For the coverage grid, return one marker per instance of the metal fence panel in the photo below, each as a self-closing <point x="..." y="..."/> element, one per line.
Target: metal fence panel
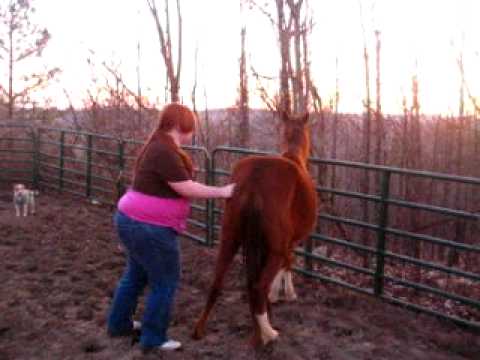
<point x="374" y="276"/>
<point x="87" y="164"/>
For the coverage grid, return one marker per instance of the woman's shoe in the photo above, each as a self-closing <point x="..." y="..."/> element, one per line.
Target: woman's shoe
<point x="135" y="331"/>
<point x="169" y="345"/>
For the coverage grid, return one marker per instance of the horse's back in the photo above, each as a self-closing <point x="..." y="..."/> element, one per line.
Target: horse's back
<point x="261" y="170"/>
<point x="267" y="183"/>
<point x="265" y="175"/>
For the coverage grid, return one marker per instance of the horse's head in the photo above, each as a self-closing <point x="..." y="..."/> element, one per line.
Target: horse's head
<point x="296" y="137"/>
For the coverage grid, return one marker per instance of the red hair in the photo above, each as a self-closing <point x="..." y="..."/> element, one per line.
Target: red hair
<point x="177" y="116"/>
<point x="173" y="116"/>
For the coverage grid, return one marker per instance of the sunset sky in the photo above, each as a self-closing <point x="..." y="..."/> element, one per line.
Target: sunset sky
<point x="427" y="33"/>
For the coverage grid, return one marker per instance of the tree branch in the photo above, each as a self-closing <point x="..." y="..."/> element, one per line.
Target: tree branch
<point x="119" y="79"/>
<point x="465" y="84"/>
<point x="270" y="102"/>
<point x="179" y="59"/>
<point x="39" y="80"/>
<point x="263" y="11"/>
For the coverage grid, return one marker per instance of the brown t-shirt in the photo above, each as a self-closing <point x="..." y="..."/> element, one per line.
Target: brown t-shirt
<point x="160" y="164"/>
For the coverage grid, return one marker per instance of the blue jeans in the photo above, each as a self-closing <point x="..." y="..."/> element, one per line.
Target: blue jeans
<point x="152" y="257"/>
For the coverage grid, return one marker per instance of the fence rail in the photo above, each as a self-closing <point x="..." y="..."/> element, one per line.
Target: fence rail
<point x="88" y="164"/>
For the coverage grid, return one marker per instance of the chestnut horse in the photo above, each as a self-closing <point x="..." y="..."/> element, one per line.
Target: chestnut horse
<point x="273" y="208"/>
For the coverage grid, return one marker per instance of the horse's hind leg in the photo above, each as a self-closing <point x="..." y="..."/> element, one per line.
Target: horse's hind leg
<point x="276" y="287"/>
<point x="259" y="301"/>
<point x="228" y="248"/>
<point x="290" y="294"/>
<point x="283" y="281"/>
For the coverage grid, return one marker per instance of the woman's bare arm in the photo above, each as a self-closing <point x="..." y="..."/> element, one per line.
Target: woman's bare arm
<point x="193" y="189"/>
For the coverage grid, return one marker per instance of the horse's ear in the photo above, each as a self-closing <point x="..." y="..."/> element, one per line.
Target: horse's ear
<point x="284" y="116"/>
<point x="304" y="119"/>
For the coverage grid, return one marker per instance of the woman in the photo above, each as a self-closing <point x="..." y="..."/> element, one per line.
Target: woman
<point x="148" y="220"/>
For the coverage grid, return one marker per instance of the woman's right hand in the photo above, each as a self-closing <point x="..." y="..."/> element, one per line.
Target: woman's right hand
<point x="227" y="190"/>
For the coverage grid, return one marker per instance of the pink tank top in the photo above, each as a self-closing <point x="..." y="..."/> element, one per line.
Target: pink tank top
<point x="155" y="210"/>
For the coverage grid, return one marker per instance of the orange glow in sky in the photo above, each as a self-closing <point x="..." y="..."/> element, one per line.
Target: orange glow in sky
<point x="429" y="34"/>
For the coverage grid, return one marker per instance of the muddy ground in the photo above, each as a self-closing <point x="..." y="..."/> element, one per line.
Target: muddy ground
<point x="60" y="267"/>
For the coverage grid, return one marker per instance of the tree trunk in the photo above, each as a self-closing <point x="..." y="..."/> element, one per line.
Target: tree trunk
<point x="164" y="36"/>
<point x="10" y="72"/>
<point x="297" y="76"/>
<point x="306" y="66"/>
<point x="460" y="224"/>
<point x="413" y="184"/>
<point x="378" y="115"/>
<point x="366" y="156"/>
<point x="335" y="134"/>
<point x="432" y="187"/>
<point x="284" y="39"/>
<point x="194" y="95"/>
<point x="243" y="101"/>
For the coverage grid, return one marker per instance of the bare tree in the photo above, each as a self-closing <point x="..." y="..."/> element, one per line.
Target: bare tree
<point x="365" y="185"/>
<point x="139" y="85"/>
<point x="243" y="87"/>
<point x="460" y="224"/>
<point x="284" y="41"/>
<point x="414" y="160"/>
<point x="335" y="130"/>
<point x="194" y="92"/>
<point x="206" y="121"/>
<point x="299" y="103"/>
<point x="111" y="105"/>
<point x="405" y="144"/>
<point x="165" y="38"/>
<point x="293" y="22"/>
<point x="379" y="120"/>
<point x="306" y="30"/>
<point x="24" y="40"/>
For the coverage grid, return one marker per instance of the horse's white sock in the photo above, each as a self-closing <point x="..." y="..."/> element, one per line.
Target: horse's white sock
<point x="32" y="202"/>
<point x="290" y="293"/>
<point x="275" y="287"/>
<point x="267" y="332"/>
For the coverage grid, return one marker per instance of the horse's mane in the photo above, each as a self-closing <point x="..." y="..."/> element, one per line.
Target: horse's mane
<point x="297" y="144"/>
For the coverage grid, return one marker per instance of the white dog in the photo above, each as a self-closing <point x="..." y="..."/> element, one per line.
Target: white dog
<point x="23" y="200"/>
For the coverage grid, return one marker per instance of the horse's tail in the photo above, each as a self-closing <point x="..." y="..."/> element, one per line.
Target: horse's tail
<point x="253" y="238"/>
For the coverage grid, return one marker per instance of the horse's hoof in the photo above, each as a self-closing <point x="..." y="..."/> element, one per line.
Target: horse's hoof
<point x="270" y="336"/>
<point x="273" y="299"/>
<point x="291" y="297"/>
<point x="198" y="334"/>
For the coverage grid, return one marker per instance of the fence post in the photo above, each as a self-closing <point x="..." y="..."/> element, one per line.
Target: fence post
<point x="35" y="168"/>
<point x="88" y="179"/>
<point x="121" y="152"/>
<point x="308" y="248"/>
<point x="62" y="160"/>
<point x="382" y="224"/>
<point x="120" y="181"/>
<point x="309" y="242"/>
<point x="210" y="171"/>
